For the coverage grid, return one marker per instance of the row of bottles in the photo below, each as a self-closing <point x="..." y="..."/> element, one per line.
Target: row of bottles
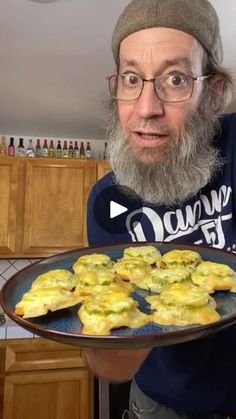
<point x="76" y="150"/>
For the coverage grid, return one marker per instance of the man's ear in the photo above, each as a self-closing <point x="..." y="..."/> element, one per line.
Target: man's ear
<point x="217" y="84"/>
<point x="216" y="90"/>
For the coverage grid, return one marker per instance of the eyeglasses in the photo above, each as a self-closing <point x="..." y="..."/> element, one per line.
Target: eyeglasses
<point x="174" y="87"/>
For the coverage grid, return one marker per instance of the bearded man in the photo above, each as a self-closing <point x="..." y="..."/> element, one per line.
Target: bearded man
<point x="171" y="143"/>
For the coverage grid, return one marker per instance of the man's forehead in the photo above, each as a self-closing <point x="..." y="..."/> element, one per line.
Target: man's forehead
<point x="178" y="60"/>
<point x="163" y="45"/>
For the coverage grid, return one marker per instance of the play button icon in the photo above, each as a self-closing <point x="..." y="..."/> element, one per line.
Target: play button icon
<point x="117" y="209"/>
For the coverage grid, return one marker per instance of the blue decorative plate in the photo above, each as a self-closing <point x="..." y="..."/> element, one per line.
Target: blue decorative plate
<point x="65" y="326"/>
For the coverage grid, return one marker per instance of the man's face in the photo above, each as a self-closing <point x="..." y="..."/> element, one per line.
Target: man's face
<point x="152" y="127"/>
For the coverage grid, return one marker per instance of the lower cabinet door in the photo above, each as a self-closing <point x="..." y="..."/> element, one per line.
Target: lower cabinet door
<point x="47" y="395"/>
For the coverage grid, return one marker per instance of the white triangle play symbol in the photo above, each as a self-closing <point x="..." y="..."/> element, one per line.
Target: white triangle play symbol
<point x="116" y="209"/>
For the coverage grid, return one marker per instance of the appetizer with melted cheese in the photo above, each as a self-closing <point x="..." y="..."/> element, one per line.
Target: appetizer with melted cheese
<point x="110" y="310"/>
<point x="133" y="270"/>
<point x="182" y="305"/>
<point x="159" y="280"/>
<point x="180" y="258"/>
<point x="92" y="262"/>
<point x="42" y="300"/>
<point x="212" y="276"/>
<point x="104" y="288"/>
<point x="55" y="278"/>
<point x="94" y="282"/>
<point x="148" y="254"/>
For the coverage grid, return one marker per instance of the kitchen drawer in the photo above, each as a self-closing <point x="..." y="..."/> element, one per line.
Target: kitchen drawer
<point x="40" y="354"/>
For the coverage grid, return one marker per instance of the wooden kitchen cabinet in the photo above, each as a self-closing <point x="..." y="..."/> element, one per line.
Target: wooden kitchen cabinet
<point x="56" y="195"/>
<point x="43" y="205"/>
<point x="9" y="183"/>
<point x="44" y="379"/>
<point x="103" y="167"/>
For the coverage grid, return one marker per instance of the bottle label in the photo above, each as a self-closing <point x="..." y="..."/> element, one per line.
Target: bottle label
<point x="29" y="152"/>
<point x="11" y="151"/>
<point x="88" y="154"/>
<point x="20" y="152"/>
<point x="76" y="153"/>
<point x="45" y="152"/>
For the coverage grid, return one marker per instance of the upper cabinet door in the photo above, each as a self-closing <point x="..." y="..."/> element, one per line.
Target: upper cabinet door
<point x="9" y="176"/>
<point x="56" y="196"/>
<point x="103" y="167"/>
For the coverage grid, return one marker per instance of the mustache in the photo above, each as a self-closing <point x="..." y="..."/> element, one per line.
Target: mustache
<point x="152" y="125"/>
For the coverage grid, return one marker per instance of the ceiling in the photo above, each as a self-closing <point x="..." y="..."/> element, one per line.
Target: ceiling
<point x="54" y="59"/>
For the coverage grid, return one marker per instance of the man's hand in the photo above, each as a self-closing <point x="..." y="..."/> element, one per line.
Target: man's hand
<point x="115" y="365"/>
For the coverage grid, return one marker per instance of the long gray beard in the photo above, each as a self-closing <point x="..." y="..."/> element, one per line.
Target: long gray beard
<point x="189" y="165"/>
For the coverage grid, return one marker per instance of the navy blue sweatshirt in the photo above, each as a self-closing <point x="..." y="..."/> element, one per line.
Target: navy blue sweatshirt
<point x="198" y="376"/>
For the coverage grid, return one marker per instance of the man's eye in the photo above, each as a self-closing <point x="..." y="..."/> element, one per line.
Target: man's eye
<point x="178" y="80"/>
<point x="130" y="79"/>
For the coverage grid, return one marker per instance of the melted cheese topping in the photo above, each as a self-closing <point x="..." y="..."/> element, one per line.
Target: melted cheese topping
<point x="101" y="277"/>
<point x="181" y="305"/>
<point x="160" y="279"/>
<point x="183" y="294"/>
<point x="110" y="302"/>
<point x="180" y="259"/>
<point x="38" y="302"/>
<point x="148" y="254"/>
<point x="132" y="270"/>
<point x="171" y="315"/>
<point x="55" y="278"/>
<point x="95" y="261"/>
<point x="85" y="291"/>
<point x="212" y="276"/>
<point x="109" y="310"/>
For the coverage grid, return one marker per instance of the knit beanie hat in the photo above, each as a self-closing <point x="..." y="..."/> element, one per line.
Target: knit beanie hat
<point x="195" y="17"/>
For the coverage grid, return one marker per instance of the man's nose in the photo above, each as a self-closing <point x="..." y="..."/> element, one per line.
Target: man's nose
<point x="149" y="105"/>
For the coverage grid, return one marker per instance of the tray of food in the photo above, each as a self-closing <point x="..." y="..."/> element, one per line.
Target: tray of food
<point x="125" y="296"/>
